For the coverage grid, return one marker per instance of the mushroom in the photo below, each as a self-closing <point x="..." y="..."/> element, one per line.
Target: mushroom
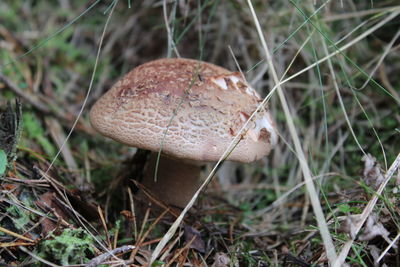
<point x="189" y="109"/>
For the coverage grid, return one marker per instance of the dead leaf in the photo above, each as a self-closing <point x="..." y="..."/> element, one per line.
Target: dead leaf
<point x="48" y="202"/>
<point x="198" y="244"/>
<point x="373" y="228"/>
<point x="128" y="215"/>
<point x="221" y="260"/>
<point x="372" y="172"/>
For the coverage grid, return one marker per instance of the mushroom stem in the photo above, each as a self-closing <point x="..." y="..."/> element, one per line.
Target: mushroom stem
<point x="177" y="180"/>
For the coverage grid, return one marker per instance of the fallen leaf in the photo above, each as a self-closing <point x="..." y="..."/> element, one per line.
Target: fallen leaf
<point x="198" y="244"/>
<point x="48" y="203"/>
<point x="221" y="260"/>
<point x="372" y="172"/>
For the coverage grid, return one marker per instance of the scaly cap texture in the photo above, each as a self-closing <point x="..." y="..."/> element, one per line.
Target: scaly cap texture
<point x="202" y="105"/>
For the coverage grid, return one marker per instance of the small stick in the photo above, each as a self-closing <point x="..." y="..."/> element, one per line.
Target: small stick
<point x="180" y="251"/>
<point x="103" y="257"/>
<point x="14" y="244"/>
<point x="6" y="231"/>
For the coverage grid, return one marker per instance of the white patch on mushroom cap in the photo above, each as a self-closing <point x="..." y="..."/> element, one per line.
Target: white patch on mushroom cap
<point x="234" y="79"/>
<point x="220" y="82"/>
<point x="251" y="91"/>
<point x="264" y="122"/>
<point x="243" y="117"/>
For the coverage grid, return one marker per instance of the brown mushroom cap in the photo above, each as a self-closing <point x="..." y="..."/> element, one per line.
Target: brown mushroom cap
<point x="204" y="105"/>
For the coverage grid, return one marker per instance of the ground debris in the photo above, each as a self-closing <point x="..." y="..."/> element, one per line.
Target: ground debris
<point x="373" y="228"/>
<point x="192" y="234"/>
<point x="221" y="260"/>
<point x="372" y="174"/>
<point x="48" y="202"/>
<point x="375" y="252"/>
<point x="289" y="258"/>
<point x="10" y="129"/>
<point x="101" y="258"/>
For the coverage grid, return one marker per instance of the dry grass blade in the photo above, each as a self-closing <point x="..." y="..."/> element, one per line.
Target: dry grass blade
<point x="58" y="135"/>
<point x="167" y="250"/>
<point x="44" y="174"/>
<point x="384" y="55"/>
<point x="283" y="197"/>
<point x="132" y="206"/>
<point x="171" y="43"/>
<point x="14" y="244"/>
<point x="143" y="235"/>
<point x="328" y="243"/>
<point x="103" y="222"/>
<point x="366" y="212"/>
<point x="394" y="14"/>
<point x="392" y="244"/>
<point x="179" y="253"/>
<point x="357" y="14"/>
<point x="33" y="255"/>
<point x="15" y="234"/>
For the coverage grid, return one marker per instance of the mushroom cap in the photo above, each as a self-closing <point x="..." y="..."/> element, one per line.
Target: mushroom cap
<point x="193" y="108"/>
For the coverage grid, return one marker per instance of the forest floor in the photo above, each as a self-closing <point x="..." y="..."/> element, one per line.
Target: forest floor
<point x="328" y="192"/>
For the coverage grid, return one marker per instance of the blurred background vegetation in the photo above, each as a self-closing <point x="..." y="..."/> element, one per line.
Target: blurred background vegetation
<point x="251" y="215"/>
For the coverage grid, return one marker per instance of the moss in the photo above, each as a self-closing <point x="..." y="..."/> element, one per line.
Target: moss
<point x="73" y="246"/>
<point x="19" y="216"/>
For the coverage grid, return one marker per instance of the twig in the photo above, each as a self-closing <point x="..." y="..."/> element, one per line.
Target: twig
<point x="15" y="234"/>
<point x="180" y="251"/>
<point x="14" y="244"/>
<point x="103" y="257"/>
